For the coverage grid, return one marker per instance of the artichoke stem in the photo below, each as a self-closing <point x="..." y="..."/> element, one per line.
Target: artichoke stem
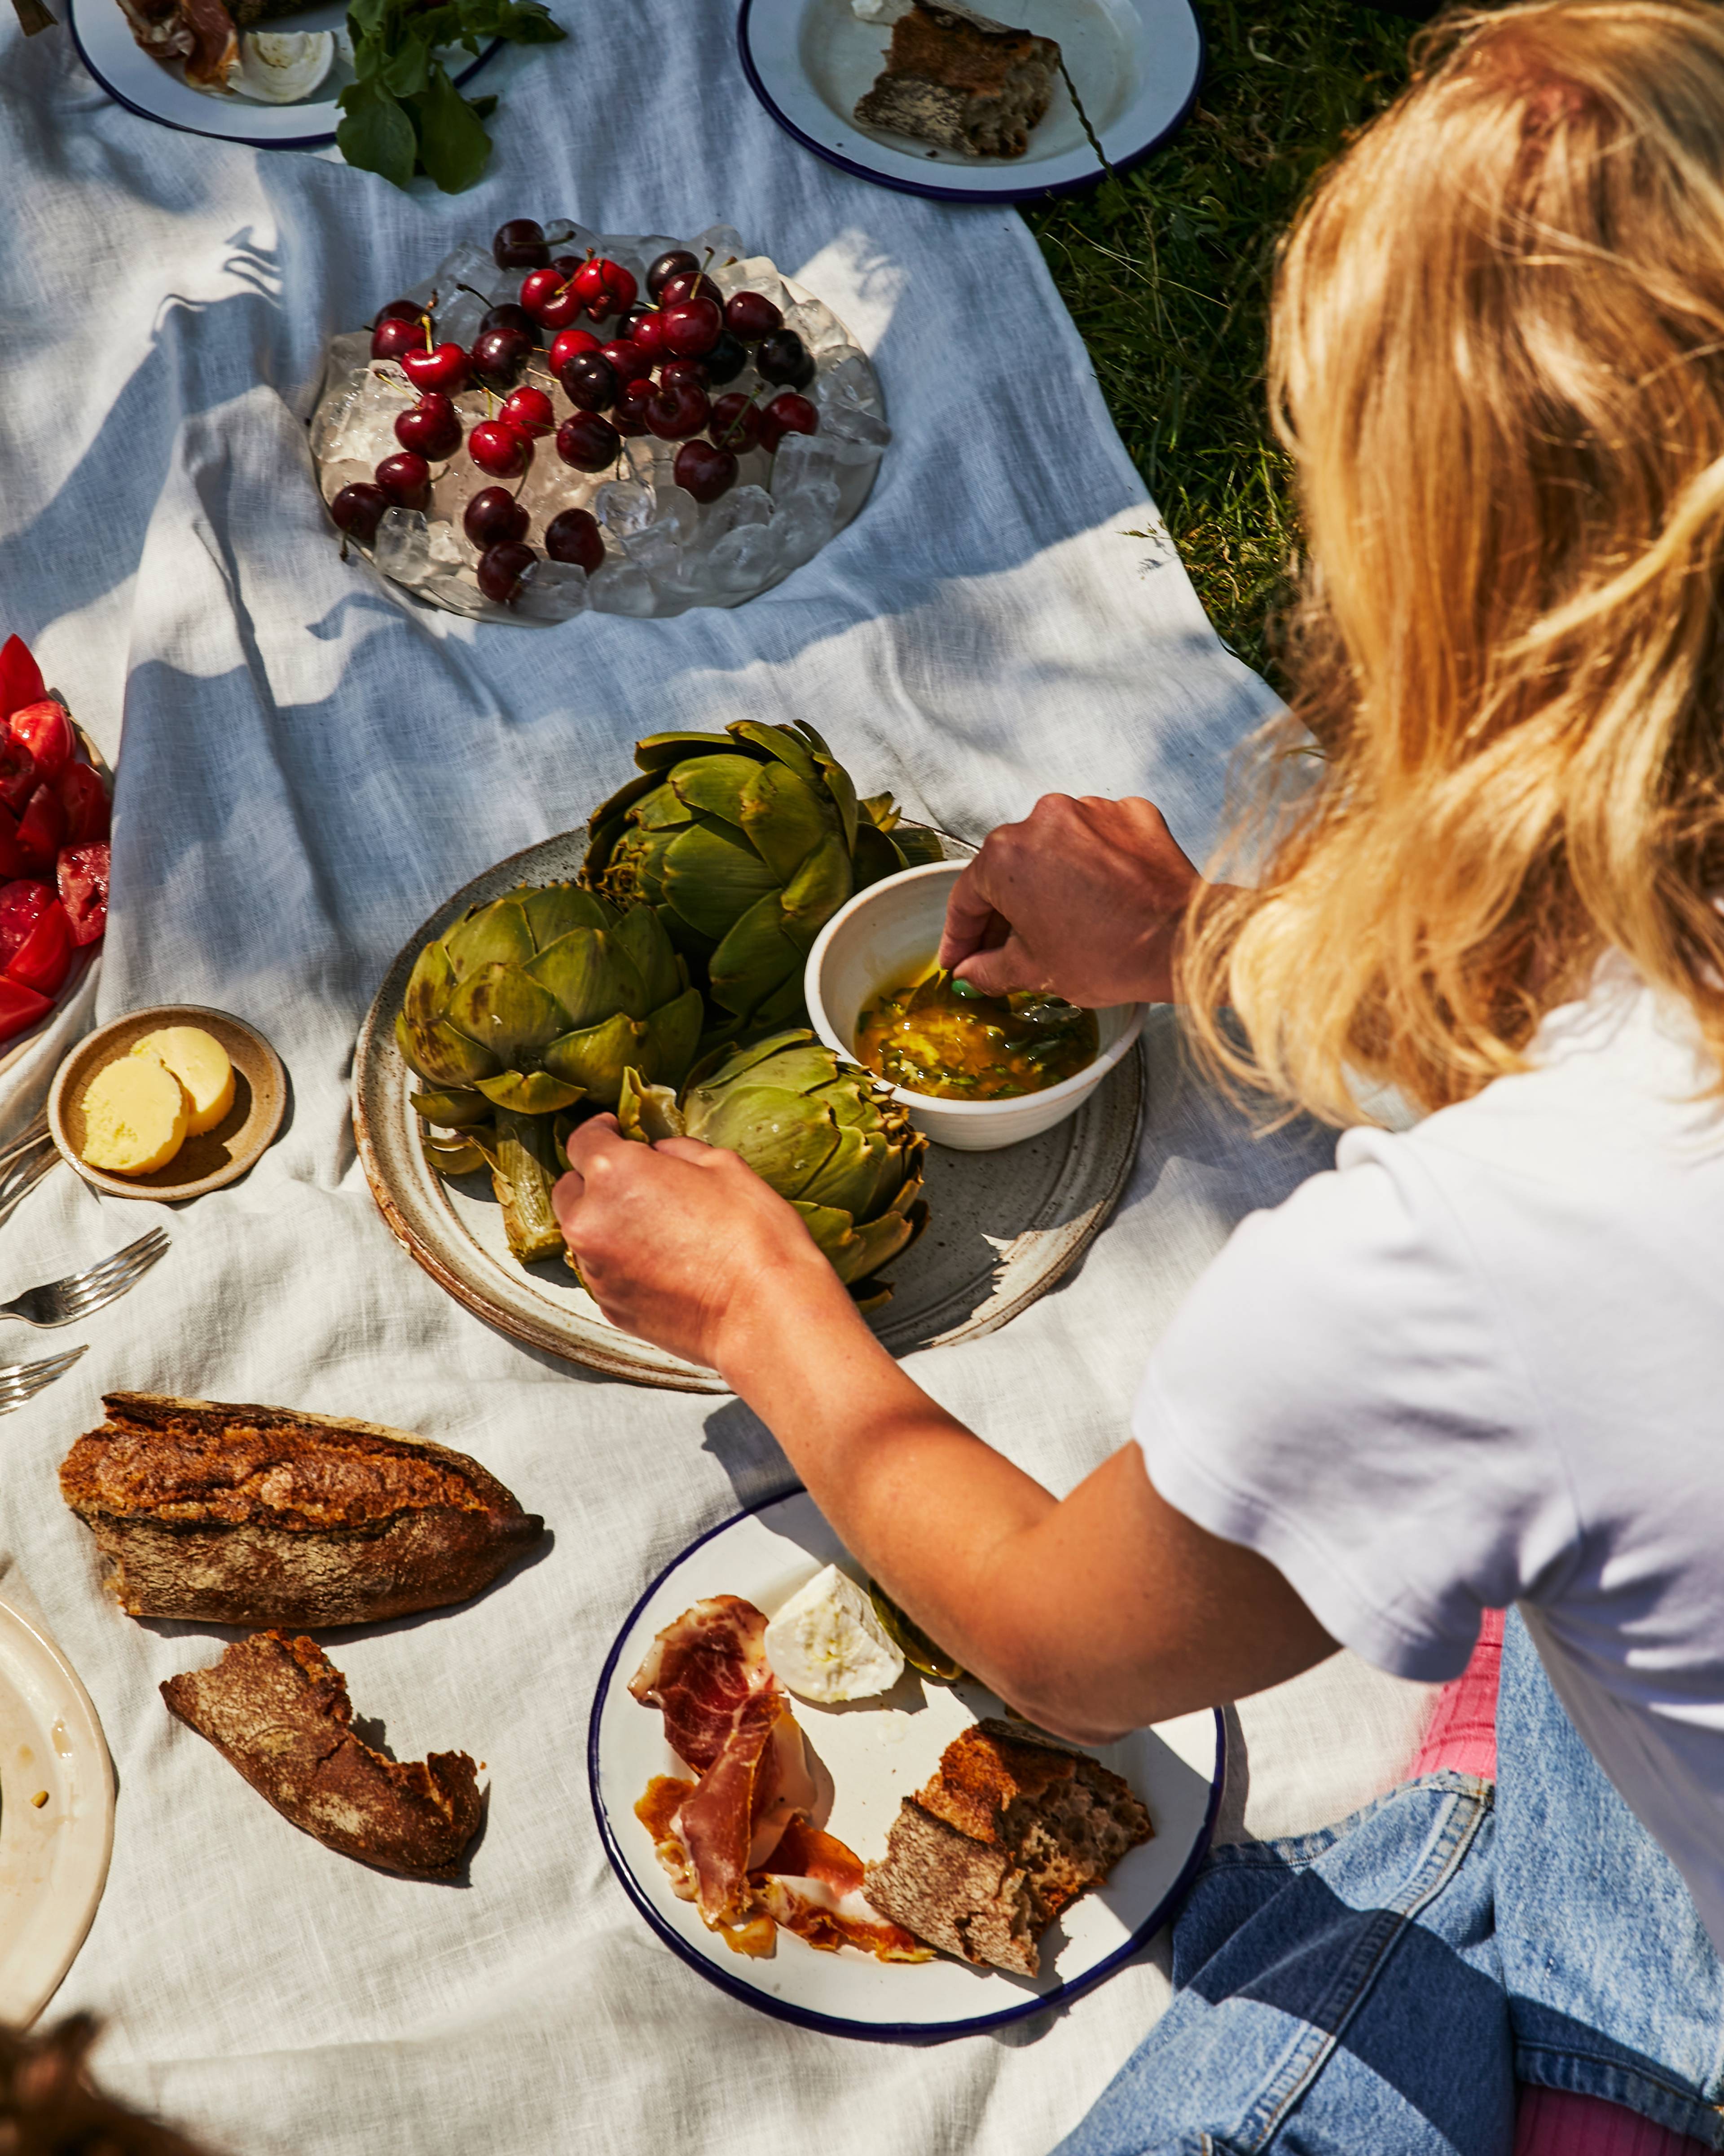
<point x="522" y="1178"/>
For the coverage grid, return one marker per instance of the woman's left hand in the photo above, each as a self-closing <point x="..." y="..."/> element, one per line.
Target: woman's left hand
<point x="684" y="1244"/>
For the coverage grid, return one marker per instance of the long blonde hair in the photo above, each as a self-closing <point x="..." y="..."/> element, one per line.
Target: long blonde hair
<point x="1497" y="357"/>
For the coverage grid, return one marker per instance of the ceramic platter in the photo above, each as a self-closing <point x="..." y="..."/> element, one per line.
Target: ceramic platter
<point x="158" y="91"/>
<point x="56" y="1817"/>
<point x="1003" y="1226"/>
<point x="1136" y="65"/>
<point x="875" y="1751"/>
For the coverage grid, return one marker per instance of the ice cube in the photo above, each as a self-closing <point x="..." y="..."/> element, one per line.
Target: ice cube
<point x="742" y="506"/>
<point x="623" y="506"/>
<point x="802" y="461"/>
<point x="651" y="461"/>
<point x="624" y="587"/>
<point x="656" y="551"/>
<point x="334" y="409"/>
<point x="845" y="377"/>
<point x="552" y="591"/>
<point x="460" y="594"/>
<point x="806" y="521"/>
<point x="367" y="435"/>
<point x="446" y="549"/>
<point x="741" y="560"/>
<point x="473" y="267"/>
<point x="563" y="236"/>
<point x="402" y="549"/>
<point x="459" y="315"/>
<point x="857" y="437"/>
<point x="725" y="242"/>
<point x="755" y="273"/>
<point x="676" y="512"/>
<point x="347" y="354"/>
<point x="817" y="327"/>
<point x="332" y="477"/>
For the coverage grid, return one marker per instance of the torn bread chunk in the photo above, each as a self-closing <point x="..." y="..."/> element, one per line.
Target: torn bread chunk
<point x="963" y="81"/>
<point x="1009" y="1831"/>
<point x="277" y="1709"/>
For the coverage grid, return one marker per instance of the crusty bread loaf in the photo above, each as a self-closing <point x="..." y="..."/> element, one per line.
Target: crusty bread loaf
<point x="278" y="1710"/>
<point x="1010" y="1830"/>
<point x="961" y="80"/>
<point x="259" y="1516"/>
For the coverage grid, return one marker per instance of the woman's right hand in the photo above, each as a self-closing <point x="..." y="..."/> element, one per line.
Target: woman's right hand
<point x="1083" y="898"/>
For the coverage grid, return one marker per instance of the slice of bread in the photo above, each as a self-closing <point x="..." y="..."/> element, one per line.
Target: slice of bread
<point x="1012" y="1828"/>
<point x="963" y="81"/>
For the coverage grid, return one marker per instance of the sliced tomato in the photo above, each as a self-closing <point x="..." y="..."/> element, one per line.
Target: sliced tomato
<point x="18" y="773"/>
<point x="41" y="830"/>
<point x="19" y="1008"/>
<point x="82" y="874"/>
<point x="46" y="731"/>
<point x="44" y="957"/>
<point x="85" y="799"/>
<point x="21" y="680"/>
<point x="23" y="902"/>
<point x="12" y="856"/>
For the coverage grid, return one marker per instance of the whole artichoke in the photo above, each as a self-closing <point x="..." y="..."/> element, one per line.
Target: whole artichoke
<point x="543" y="998"/>
<point x="824" y="1133"/>
<point x="746" y="844"/>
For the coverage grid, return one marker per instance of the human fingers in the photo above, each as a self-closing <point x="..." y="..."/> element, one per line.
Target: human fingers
<point x="594" y="1142"/>
<point x="997" y="973"/>
<point x="969" y="911"/>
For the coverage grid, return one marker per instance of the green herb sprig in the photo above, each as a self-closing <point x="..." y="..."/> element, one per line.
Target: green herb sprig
<point x="403" y="114"/>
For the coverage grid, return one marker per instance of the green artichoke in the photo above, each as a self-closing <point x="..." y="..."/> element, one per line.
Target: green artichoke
<point x="824" y="1133"/>
<point x="746" y="844"/>
<point x="543" y="998"/>
<point x="528" y="1005"/>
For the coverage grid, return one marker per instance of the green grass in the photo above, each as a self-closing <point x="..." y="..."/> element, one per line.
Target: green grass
<point x="1166" y="270"/>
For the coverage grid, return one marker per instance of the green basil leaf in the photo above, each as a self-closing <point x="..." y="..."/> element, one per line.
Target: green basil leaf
<point x="375" y="134"/>
<point x="454" y="145"/>
<point x="409" y="69"/>
<point x="365" y="19"/>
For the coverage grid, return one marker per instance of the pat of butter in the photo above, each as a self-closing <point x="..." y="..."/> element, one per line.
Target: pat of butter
<point x="135" y="1115"/>
<point x="826" y="1643"/>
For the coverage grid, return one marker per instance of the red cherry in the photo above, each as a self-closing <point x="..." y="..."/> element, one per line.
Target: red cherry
<point x="590" y="381"/>
<point x="499" y="354"/>
<point x="433" y="427"/>
<point x="675" y="263"/>
<point x="678" y="410"/>
<point x="358" y="510"/>
<point x="629" y="417"/>
<point x="445" y="366"/>
<point x="538" y="285"/>
<point x="529" y="411"/>
<point x="519" y="244"/>
<point x="691" y="327"/>
<point x="735" y="422"/>
<point x="406" y="478"/>
<point x="675" y="372"/>
<point x="495" y="448"/>
<point x="787" y="414"/>
<point x="705" y="471"/>
<point x="509" y="316"/>
<point x="645" y="327"/>
<point x="567" y="343"/>
<point x="785" y="359"/>
<point x="587" y="442"/>
<point x="691" y="285"/>
<point x="629" y="361"/>
<point x="500" y="570"/>
<point x="605" y="287"/>
<point x="393" y="336"/>
<point x="574" y="535"/>
<point x="749" y="316"/>
<point x="406" y="310"/>
<point x="492" y="515"/>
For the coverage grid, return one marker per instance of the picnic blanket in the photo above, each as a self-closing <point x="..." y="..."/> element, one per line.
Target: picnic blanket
<point x="308" y="764"/>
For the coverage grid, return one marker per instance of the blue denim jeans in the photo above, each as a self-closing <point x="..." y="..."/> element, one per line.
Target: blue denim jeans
<point x="1378" y="1989"/>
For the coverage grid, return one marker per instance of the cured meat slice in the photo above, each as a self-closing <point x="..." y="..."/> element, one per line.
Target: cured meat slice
<point x="814" y="1889"/>
<point x="701" y="1671"/>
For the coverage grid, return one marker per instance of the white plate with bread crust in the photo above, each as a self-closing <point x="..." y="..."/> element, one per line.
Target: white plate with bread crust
<point x="875" y="1753"/>
<point x="56" y="1816"/>
<point x="1136" y="65"/>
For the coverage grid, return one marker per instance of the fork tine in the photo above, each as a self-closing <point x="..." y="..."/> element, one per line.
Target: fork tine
<point x="135" y="1259"/>
<point x="24" y="1380"/>
<point x="96" y="1294"/>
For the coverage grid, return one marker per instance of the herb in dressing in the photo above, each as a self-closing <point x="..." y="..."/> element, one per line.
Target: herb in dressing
<point x="935" y="1035"/>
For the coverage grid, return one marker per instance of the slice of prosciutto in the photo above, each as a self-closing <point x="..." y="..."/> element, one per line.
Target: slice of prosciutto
<point x="724" y="1714"/>
<point x="814" y="1889"/>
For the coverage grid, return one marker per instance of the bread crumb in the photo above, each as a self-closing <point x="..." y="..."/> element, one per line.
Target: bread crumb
<point x="39" y="1799"/>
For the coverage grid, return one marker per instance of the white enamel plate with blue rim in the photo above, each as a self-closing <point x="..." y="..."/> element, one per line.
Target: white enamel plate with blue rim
<point x="870" y="1755"/>
<point x="157" y="89"/>
<point x="1136" y="65"/>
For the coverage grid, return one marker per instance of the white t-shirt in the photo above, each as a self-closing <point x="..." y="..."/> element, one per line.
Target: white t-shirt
<point x="1481" y="1363"/>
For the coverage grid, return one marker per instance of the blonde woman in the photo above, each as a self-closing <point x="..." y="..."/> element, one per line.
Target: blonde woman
<point x="1479" y="1366"/>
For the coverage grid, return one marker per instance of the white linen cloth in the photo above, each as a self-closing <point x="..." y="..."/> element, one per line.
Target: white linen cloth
<point x="308" y="765"/>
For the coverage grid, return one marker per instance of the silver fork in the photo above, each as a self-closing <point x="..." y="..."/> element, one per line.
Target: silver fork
<point x="58" y="1302"/>
<point x="23" y="1380"/>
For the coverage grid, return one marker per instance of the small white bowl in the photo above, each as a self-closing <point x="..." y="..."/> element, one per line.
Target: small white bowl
<point x="885" y="935"/>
